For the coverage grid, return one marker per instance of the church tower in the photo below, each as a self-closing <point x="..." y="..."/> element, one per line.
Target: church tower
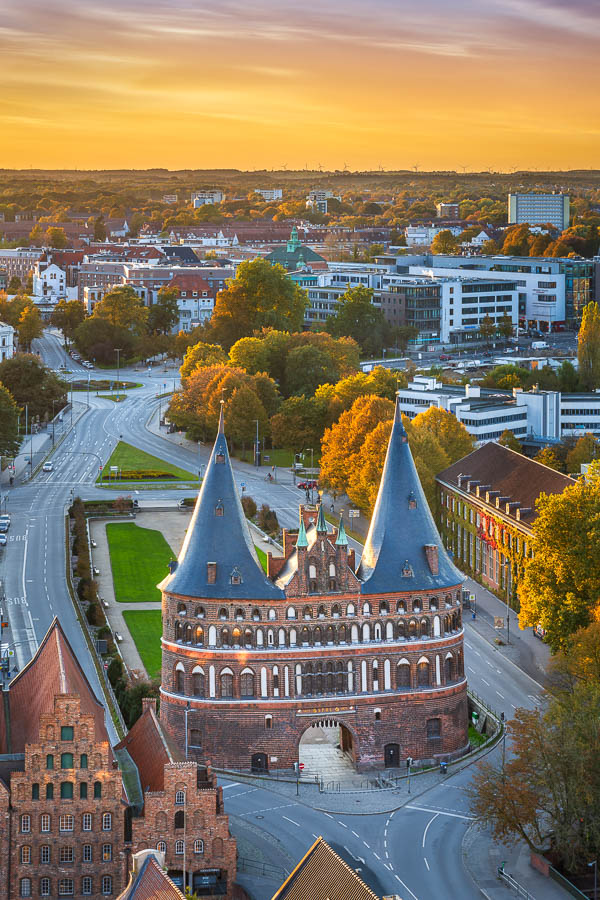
<point x="252" y="660"/>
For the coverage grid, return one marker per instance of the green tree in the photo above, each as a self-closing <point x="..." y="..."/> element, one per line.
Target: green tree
<point x="584" y="451"/>
<point x="30" y="326"/>
<point x="11" y="310"/>
<point x="487" y="328"/>
<point x="55" y="238"/>
<point x="588" y="347"/>
<point x="96" y="338"/>
<point x="306" y="368"/>
<point x="357" y="318"/>
<point x="260" y="295"/>
<point x="299" y="423"/>
<point x="444" y="242"/>
<point x="505" y="326"/>
<point x="9" y="423"/>
<point x="123" y="309"/>
<point x="568" y="379"/>
<point x="29" y="381"/>
<point x="561" y="583"/>
<point x="506" y="376"/>
<point x="490" y="248"/>
<point x="36" y="235"/>
<point x="99" y="228"/>
<point x="201" y="355"/>
<point x="164" y="314"/>
<point x="15" y="285"/>
<point x="68" y="316"/>
<point x="251" y="354"/>
<point x="242" y="411"/>
<point x="508" y="439"/>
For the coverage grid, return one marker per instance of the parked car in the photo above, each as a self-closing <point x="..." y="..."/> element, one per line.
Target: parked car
<point x="5" y="517"/>
<point x="307" y="485"/>
<point x="445" y="356"/>
<point x="48" y="467"/>
<point x="2" y="540"/>
<point x="4" y="526"/>
<point x="539" y="632"/>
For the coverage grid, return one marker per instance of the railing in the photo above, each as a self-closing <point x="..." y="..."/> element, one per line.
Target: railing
<point x="254" y="867"/>
<point x="567" y="885"/>
<point x="510" y="882"/>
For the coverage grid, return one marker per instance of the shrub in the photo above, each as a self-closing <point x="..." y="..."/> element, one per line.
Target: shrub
<point x="249" y="506"/>
<point x="94" y="614"/>
<point x="115" y="670"/>
<point x="267" y="519"/>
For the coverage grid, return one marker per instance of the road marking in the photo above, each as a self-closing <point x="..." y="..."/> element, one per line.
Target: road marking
<point x="355" y="834"/>
<point x="470" y="646"/>
<point x="233" y="784"/>
<point x="485" y="682"/>
<point x="329" y="816"/>
<point x="291" y="820"/>
<point x="451" y="814"/>
<point x="470" y="669"/>
<point x="366" y="845"/>
<point x="377" y="856"/>
<point x="406" y="887"/>
<point x="433" y="818"/>
<point x="513" y="705"/>
<point x="489" y="664"/>
<point x="500" y="695"/>
<point x="476" y="652"/>
<point x="343" y="824"/>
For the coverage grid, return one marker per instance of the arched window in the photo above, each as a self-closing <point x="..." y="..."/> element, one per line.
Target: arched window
<point x="449" y="667"/>
<point x="400" y="607"/>
<point x="423" y="679"/>
<point x="181" y="609"/>
<point x="247" y="683"/>
<point x="403" y="674"/>
<point x="291" y="613"/>
<point x="293" y="637"/>
<point x="436" y="626"/>
<point x="50" y="761"/>
<point x="366" y="609"/>
<point x="198" y="847"/>
<point x="256" y="615"/>
<point x="307" y="612"/>
<point x="375" y="670"/>
<point x="335" y="611"/>
<point x="179" y="820"/>
<point x="239" y="615"/>
<point x="106" y="822"/>
<point x="366" y="632"/>
<point x="223" y="615"/>
<point x="416" y="605"/>
<point x="225" y="637"/>
<point x="49" y="791"/>
<point x="412" y="628"/>
<point x="226" y="679"/>
<point x="384" y="608"/>
<point x="177" y="630"/>
<point x="377" y="631"/>
<point x="389" y="630"/>
<point x="248" y="638"/>
<point x="66" y="790"/>
<point x="433" y="604"/>
<point x="260" y="637"/>
<point x="424" y="627"/>
<point x="179" y="679"/>
<point x="272" y="614"/>
<point x="25" y="887"/>
<point x="179" y="798"/>
<point x="342" y="634"/>
<point x="351" y="610"/>
<point x="199" y="635"/>
<point x="198" y="682"/>
<point x="179" y="845"/>
<point x="318" y="635"/>
<point x="281" y="637"/>
<point x="66" y="760"/>
<point x="83" y="761"/>
<point x="212" y="636"/>
<point x="161" y="847"/>
<point x="268" y="721"/>
<point x="200" y="612"/>
<point x="188" y="631"/>
<point x="321" y="612"/>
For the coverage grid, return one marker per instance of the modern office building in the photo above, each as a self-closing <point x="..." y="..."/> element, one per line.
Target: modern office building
<point x="539" y="209"/>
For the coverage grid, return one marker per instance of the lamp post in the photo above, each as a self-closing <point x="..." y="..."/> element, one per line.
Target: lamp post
<point x="53" y="421"/>
<point x="257" y="448"/>
<point x="311" y="451"/>
<point x="118" y="352"/>
<point x="594" y="863"/>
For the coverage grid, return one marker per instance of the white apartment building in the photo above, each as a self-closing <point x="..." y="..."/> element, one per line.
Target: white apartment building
<point x="49" y="283"/>
<point x="204" y="198"/>
<point x="270" y="193"/>
<point x="318" y="199"/>
<point x="423" y="235"/>
<point x="539" y="209"/>
<point x="7" y="341"/>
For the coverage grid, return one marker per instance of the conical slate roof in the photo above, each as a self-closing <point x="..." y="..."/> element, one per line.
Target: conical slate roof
<point x="219" y="534"/>
<point x="395" y="557"/>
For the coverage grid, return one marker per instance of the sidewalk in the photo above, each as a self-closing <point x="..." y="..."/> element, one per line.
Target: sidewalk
<point x="482" y="856"/>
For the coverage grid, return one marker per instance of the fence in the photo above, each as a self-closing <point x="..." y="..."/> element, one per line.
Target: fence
<point x="510" y="882"/>
<point x="566" y="884"/>
<point x="255" y="867"/>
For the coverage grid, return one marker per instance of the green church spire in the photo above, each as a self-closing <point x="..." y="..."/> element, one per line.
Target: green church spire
<point x="302" y="539"/>
<point x="341" y="540"/>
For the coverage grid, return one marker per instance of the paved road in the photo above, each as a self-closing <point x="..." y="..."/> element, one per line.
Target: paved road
<point x="415" y="851"/>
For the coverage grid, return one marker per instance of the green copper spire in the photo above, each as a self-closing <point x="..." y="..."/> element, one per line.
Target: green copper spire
<point x="302" y="539"/>
<point x="321" y="523"/>
<point x="341" y="540"/>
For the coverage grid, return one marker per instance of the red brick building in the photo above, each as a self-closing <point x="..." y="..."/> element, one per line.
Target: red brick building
<point x="251" y="661"/>
<point x="72" y="809"/>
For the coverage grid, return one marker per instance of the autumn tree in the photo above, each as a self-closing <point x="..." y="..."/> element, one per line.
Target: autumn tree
<point x="55" y="238"/>
<point x="452" y="436"/>
<point x="164" y="314"/>
<point x="242" y="411"/>
<point x="588" y="347"/>
<point x="357" y="318"/>
<point x="123" y="309"/>
<point x="547" y="457"/>
<point x="578" y="661"/>
<point x="487" y="328"/>
<point x="444" y="242"/>
<point x="584" y="451"/>
<point x="15" y="285"/>
<point x="9" y="423"/>
<point x="260" y="295"/>
<point x="306" y="368"/>
<point x="68" y="315"/>
<point x="11" y="310"/>
<point x="340" y="396"/>
<point x="509" y="439"/>
<point x="505" y="326"/>
<point x="99" y="228"/>
<point x="561" y="583"/>
<point x="516" y="241"/>
<point x="30" y="326"/>
<point x="299" y="423"/>
<point x="29" y="381"/>
<point x="201" y="355"/>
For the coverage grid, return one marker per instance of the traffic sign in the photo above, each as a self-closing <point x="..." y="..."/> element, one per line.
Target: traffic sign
<point x="100" y="468"/>
<point x="301" y="766"/>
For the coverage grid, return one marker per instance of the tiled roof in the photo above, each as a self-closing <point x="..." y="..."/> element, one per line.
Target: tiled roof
<point x="402" y="527"/>
<point x="512" y="474"/>
<point x="323" y="875"/>
<point x="191" y="281"/>
<point x="150" y="750"/>
<point x="53" y="670"/>
<point x="151" y="883"/>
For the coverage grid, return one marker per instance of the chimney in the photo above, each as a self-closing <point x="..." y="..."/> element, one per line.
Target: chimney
<point x="501" y="500"/>
<point x="431" y="552"/>
<point x="523" y="511"/>
<point x="472" y="483"/>
<point x="491" y="496"/>
<point x="211" y="572"/>
<point x="148" y="703"/>
<point x="512" y="507"/>
<point x="481" y="489"/>
<point x="461" y="478"/>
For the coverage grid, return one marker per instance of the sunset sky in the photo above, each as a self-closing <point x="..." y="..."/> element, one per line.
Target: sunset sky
<point x="263" y="83"/>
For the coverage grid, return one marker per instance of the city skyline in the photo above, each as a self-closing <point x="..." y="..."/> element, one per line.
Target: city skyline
<point x="227" y="85"/>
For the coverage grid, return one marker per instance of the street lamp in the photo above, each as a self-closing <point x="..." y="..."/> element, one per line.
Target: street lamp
<point x="53" y="421"/>
<point x="594" y="863"/>
<point x="118" y="352"/>
<point x="311" y="451"/>
<point x="257" y="447"/>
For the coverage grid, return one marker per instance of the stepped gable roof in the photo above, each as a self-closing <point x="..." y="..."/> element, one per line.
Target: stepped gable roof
<point x="323" y="875"/>
<point x="150" y="749"/>
<point x="53" y="670"/>
<point x="219" y="534"/>
<point x="402" y="527"/>
<point x="306" y="539"/>
<point x="514" y="475"/>
<point x="151" y="883"/>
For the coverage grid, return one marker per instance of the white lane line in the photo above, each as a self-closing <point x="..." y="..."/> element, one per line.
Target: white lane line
<point x="451" y="814"/>
<point x="366" y="845"/>
<point x="500" y="695"/>
<point x="470" y="669"/>
<point x="476" y="652"/>
<point x="513" y="705"/>
<point x="377" y="856"/>
<point x="406" y="888"/>
<point x="329" y="816"/>
<point x="433" y="818"/>
<point x="426" y="863"/>
<point x="291" y="820"/>
<point x="470" y="646"/>
<point x="355" y="834"/>
<point x="485" y="682"/>
<point x="233" y="784"/>
<point x="343" y="824"/>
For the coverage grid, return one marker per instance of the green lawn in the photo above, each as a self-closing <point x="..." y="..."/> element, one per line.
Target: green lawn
<point x="131" y="459"/>
<point x="145" y="627"/>
<point x="262" y="557"/>
<point x="139" y="558"/>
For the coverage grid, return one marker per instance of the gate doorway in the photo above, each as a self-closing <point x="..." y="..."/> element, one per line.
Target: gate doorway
<point x="327" y="748"/>
<point x="259" y="762"/>
<point x="391" y="754"/>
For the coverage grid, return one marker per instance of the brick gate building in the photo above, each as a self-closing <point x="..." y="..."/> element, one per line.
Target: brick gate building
<point x="252" y="660"/>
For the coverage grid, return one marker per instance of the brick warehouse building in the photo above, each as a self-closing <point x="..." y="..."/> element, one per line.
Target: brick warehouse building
<point x="73" y="809"/>
<point x="251" y="661"/>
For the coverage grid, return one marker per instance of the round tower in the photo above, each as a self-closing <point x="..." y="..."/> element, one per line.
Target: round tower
<point x="252" y="660"/>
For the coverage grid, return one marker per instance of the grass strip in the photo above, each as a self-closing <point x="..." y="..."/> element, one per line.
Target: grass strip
<point x="139" y="558"/>
<point x="145" y="627"/>
<point x="131" y="459"/>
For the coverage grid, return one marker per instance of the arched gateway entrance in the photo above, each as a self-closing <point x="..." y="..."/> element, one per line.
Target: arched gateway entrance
<point x="327" y="747"/>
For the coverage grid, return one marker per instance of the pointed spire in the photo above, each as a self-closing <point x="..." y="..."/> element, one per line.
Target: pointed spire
<point x="321" y="523"/>
<point x="221" y="429"/>
<point x="402" y="528"/>
<point x="341" y="540"/>
<point x="302" y="539"/>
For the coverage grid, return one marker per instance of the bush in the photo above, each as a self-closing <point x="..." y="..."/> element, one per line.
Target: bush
<point x="267" y="519"/>
<point x="249" y="506"/>
<point x="115" y="671"/>
<point x="143" y="475"/>
<point x="94" y="614"/>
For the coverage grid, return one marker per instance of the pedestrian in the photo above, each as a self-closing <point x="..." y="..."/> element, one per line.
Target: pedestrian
<point x="332" y="509"/>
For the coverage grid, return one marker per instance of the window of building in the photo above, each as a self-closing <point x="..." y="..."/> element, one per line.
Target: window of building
<point x="83" y="790"/>
<point x="65" y="823"/>
<point x="179" y="820"/>
<point x="66" y="790"/>
<point x="198" y="847"/>
<point x="268" y="721"/>
<point x="87" y="853"/>
<point x="180" y="798"/>
<point x="66" y="733"/>
<point x="161" y="846"/>
<point x="66" y="854"/>
<point x="44" y="887"/>
<point x="179" y="848"/>
<point x="45" y="853"/>
<point x="49" y="792"/>
<point x="106" y="822"/>
<point x="97" y="789"/>
<point x="65" y="887"/>
<point x="226" y="685"/>
<point x="25" y="887"/>
<point x="107" y="885"/>
<point x="35" y="792"/>
<point x="247" y="684"/>
<point x="195" y="737"/>
<point x="86" y="885"/>
<point x="83" y="761"/>
<point x="106" y="852"/>
<point x="49" y="761"/>
<point x="26" y="855"/>
<point x="45" y="823"/>
<point x="25" y="824"/>
<point x="86" y="823"/>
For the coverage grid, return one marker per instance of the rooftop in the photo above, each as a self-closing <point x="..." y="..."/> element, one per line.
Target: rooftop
<point x="323" y="875"/>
